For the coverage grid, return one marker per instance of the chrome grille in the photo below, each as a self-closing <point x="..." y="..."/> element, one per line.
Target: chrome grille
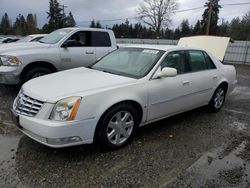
<point x="28" y="106"/>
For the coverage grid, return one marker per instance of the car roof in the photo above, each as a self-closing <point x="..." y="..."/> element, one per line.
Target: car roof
<point x="87" y="29"/>
<point x="156" y="47"/>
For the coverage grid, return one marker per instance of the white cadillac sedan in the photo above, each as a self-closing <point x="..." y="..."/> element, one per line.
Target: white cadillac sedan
<point x="128" y="88"/>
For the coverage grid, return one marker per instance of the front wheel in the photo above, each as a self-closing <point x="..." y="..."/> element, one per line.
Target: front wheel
<point x="218" y="99"/>
<point x="118" y="126"/>
<point x="36" y="72"/>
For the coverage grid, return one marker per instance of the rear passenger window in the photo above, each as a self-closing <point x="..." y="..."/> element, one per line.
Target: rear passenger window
<point x="210" y="63"/>
<point x="197" y="61"/>
<point x="176" y="60"/>
<point x="101" y="39"/>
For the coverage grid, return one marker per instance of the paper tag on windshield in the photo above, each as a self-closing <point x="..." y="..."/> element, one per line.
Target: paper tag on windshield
<point x="150" y="51"/>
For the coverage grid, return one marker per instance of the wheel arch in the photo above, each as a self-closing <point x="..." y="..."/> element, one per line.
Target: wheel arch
<point x="37" y="64"/>
<point x="224" y="83"/>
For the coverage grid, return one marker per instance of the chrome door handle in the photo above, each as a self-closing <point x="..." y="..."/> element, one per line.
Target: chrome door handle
<point x="89" y="52"/>
<point x="185" y="82"/>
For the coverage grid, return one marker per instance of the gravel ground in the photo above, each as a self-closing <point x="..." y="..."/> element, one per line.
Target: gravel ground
<point x="194" y="149"/>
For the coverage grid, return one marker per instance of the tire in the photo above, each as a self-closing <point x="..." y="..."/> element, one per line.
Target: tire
<point x="112" y="131"/>
<point x="218" y="99"/>
<point x="36" y="72"/>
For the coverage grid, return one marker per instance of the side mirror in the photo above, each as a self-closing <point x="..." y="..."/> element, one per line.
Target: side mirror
<point x="65" y="45"/>
<point x="167" y="72"/>
<point x="69" y="43"/>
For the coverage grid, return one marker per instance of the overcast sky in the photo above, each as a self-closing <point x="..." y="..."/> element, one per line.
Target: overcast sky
<point x="86" y="10"/>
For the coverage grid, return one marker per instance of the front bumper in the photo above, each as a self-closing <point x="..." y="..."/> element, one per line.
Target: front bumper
<point x="9" y="75"/>
<point x="56" y="134"/>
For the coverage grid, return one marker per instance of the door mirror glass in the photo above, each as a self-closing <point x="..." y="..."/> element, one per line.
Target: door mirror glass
<point x="166" y="72"/>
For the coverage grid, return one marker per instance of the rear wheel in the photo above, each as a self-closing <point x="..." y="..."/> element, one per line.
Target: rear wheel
<point x="218" y="99"/>
<point x="36" y="72"/>
<point x="118" y="126"/>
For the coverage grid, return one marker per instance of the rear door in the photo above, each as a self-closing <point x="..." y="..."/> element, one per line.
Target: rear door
<point x="79" y="52"/>
<point x="102" y="42"/>
<point x="203" y="76"/>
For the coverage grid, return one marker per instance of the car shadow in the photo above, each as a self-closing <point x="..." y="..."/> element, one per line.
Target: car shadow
<point x="169" y="137"/>
<point x="167" y="125"/>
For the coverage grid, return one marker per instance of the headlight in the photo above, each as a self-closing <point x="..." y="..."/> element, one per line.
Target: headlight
<point x="65" y="109"/>
<point x="6" y="60"/>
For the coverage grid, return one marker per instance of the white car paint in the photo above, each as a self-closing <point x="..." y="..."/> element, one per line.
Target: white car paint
<point x="100" y="91"/>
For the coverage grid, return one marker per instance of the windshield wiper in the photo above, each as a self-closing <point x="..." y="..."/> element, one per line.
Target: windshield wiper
<point x="115" y="73"/>
<point x="107" y="71"/>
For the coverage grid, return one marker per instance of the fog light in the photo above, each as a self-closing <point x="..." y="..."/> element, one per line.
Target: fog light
<point x="61" y="141"/>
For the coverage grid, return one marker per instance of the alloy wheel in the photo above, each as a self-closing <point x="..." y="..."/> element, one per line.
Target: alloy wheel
<point x="219" y="98"/>
<point x="120" y="127"/>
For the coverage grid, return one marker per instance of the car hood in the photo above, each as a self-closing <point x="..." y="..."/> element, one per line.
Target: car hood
<point x="213" y="44"/>
<point x="5" y="48"/>
<point x="54" y="87"/>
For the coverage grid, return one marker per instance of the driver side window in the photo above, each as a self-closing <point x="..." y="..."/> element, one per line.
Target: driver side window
<point x="176" y="60"/>
<point x="79" y="39"/>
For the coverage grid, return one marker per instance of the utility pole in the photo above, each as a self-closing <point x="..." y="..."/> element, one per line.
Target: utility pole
<point x="63" y="8"/>
<point x="64" y="16"/>
<point x="209" y="17"/>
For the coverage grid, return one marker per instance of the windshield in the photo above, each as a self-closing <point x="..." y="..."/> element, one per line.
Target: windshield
<point x="131" y="62"/>
<point x="55" y="36"/>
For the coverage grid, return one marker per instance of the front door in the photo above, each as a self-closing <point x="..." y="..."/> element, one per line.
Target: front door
<point x="170" y="95"/>
<point x="78" y="51"/>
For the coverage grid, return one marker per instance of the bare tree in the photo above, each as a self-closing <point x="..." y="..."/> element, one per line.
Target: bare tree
<point x="157" y="13"/>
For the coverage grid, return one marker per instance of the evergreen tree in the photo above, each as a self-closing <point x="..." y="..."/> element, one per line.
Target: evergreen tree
<point x="236" y="29"/>
<point x="17" y="26"/>
<point x="138" y="31"/>
<point x="92" y="24"/>
<point x="246" y="26"/>
<point x="5" y="28"/>
<point x="45" y="28"/>
<point x="20" y="26"/>
<point x="70" y="21"/>
<point x="185" y="28"/>
<point x="55" y="15"/>
<point x="23" y="25"/>
<point x="177" y="33"/>
<point x="214" y="16"/>
<point x="95" y="24"/>
<point x="98" y="24"/>
<point x="169" y="34"/>
<point x="197" y="28"/>
<point x="223" y="29"/>
<point x="31" y="24"/>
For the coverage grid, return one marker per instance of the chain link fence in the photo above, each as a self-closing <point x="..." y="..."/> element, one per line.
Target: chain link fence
<point x="237" y="52"/>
